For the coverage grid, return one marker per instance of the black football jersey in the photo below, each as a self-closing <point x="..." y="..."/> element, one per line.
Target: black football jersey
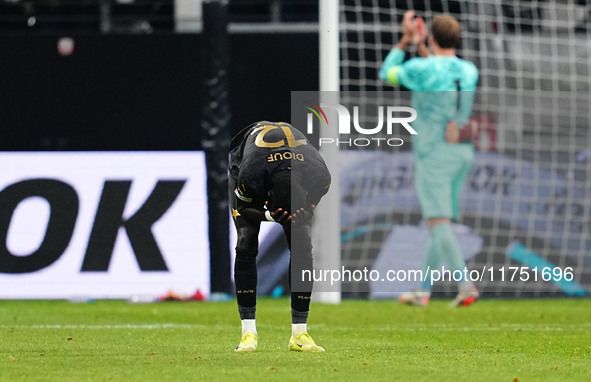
<point x="266" y="151"/>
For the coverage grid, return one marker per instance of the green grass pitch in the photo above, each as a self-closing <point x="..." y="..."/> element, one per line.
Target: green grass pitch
<point x="494" y="340"/>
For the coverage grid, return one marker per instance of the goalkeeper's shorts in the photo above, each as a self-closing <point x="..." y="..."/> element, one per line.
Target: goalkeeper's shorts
<point x="440" y="177"/>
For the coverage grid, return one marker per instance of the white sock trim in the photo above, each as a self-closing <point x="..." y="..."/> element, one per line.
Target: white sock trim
<point x="249" y="326"/>
<point x="297" y="329"/>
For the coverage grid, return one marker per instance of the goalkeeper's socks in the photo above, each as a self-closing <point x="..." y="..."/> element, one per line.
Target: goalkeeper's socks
<point x="432" y="261"/>
<point x="297" y="329"/>
<point x="448" y="246"/>
<point x="249" y="326"/>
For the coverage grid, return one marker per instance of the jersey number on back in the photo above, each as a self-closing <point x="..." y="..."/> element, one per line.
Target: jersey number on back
<point x="289" y="138"/>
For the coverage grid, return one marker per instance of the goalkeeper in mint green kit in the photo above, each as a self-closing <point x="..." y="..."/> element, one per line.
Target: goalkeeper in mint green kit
<point x="443" y="88"/>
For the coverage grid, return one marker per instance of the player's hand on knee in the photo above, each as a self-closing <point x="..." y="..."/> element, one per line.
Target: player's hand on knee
<point x="302" y="215"/>
<point x="278" y="216"/>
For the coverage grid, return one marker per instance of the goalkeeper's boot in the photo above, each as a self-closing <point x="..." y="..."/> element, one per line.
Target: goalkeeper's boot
<point x="248" y="343"/>
<point x="303" y="342"/>
<point x="416" y="298"/>
<point x="466" y="298"/>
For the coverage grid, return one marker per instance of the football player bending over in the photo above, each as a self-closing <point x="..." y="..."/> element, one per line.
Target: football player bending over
<point x="276" y="175"/>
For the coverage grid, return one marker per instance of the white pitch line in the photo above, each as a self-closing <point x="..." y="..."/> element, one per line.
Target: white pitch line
<point x="113" y="326"/>
<point x="481" y="328"/>
<point x="423" y="327"/>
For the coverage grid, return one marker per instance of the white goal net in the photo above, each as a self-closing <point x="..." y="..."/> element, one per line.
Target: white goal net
<point x="527" y="201"/>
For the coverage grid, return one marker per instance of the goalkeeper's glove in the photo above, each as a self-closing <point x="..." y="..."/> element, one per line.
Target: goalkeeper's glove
<point x="465" y="134"/>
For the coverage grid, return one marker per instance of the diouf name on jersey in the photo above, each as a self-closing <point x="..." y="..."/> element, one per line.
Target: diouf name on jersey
<point x="287" y="155"/>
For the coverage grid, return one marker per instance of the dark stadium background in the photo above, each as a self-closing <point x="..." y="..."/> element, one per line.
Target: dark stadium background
<point x="125" y="90"/>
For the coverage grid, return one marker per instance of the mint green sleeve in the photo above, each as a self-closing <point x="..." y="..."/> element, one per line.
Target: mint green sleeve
<point x="467" y="93"/>
<point x="406" y="73"/>
<point x="391" y="66"/>
<point x="466" y="102"/>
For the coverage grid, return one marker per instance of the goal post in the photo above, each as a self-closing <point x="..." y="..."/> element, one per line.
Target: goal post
<point x="326" y="232"/>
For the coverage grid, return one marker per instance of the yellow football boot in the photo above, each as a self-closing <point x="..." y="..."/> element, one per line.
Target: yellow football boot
<point x="248" y="343"/>
<point x="303" y="342"/>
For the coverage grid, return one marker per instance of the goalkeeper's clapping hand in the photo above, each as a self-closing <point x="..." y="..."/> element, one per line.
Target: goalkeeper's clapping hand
<point x="419" y="31"/>
<point x="408" y="25"/>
